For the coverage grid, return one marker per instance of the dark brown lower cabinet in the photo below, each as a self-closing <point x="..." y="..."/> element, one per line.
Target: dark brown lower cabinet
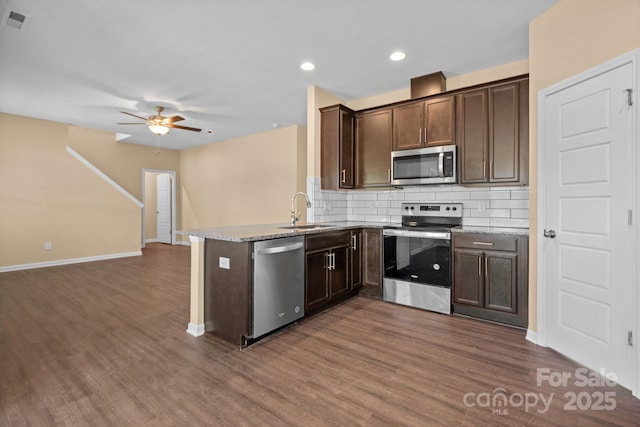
<point x="356" y="259"/>
<point x="372" y="257"/>
<point x="227" y="292"/>
<point x="490" y="277"/>
<point x="327" y="272"/>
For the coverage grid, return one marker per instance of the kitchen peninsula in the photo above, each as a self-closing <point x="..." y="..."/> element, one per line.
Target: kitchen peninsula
<point x="338" y="258"/>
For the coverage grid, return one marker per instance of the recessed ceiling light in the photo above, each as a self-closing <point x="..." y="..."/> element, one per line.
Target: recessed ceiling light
<point x="397" y="56"/>
<point x="307" y="66"/>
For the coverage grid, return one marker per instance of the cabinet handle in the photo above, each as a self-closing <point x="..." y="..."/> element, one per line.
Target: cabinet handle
<point x="490" y="168"/>
<point x="327" y="262"/>
<point x="483" y="243"/>
<point x="479" y="266"/>
<point x="343" y="175"/>
<point x="354" y="241"/>
<point x="425" y="135"/>
<point x="486" y="267"/>
<point x="484" y="169"/>
<point x="389" y="175"/>
<point x="333" y="262"/>
<point x="420" y="135"/>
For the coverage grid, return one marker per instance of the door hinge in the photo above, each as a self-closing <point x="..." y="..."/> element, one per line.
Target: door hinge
<point x="630" y="97"/>
<point x="630" y="338"/>
<point x="630" y="217"/>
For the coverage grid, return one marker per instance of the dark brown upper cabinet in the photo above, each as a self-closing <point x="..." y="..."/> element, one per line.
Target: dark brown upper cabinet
<point x="337" y="134"/>
<point x="424" y="124"/>
<point x="373" y="148"/>
<point x="493" y="134"/>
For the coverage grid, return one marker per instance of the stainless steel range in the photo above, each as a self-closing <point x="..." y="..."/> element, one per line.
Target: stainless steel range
<point x="417" y="256"/>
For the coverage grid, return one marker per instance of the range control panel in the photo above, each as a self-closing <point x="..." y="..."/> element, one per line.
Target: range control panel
<point x="432" y="209"/>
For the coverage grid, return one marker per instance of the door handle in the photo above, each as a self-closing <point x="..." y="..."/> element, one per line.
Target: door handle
<point x="549" y="233"/>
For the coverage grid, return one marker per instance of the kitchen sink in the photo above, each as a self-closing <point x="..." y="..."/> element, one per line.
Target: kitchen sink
<point x="304" y="227"/>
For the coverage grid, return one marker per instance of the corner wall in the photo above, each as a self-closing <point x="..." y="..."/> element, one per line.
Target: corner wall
<point x="569" y="38"/>
<point x="244" y="180"/>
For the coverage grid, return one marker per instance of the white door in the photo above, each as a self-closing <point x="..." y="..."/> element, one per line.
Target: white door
<point x="163" y="212"/>
<point x="589" y="295"/>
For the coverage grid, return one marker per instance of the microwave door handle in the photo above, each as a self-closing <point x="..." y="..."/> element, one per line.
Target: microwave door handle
<point x="441" y="164"/>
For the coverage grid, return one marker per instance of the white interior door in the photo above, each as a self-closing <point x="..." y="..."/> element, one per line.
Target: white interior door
<point x="589" y="292"/>
<point x="163" y="212"/>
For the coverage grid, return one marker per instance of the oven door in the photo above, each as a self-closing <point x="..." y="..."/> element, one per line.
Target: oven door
<point x="417" y="269"/>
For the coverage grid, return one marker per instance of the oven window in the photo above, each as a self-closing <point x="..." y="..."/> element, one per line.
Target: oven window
<point x="418" y="166"/>
<point x="418" y="260"/>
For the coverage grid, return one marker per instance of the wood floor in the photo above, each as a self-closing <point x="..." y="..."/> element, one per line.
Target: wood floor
<point x="104" y="343"/>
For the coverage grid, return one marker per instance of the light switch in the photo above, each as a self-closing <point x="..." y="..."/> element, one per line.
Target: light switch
<point x="224" y="263"/>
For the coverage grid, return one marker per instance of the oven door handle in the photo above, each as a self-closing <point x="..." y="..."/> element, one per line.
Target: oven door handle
<point x="418" y="234"/>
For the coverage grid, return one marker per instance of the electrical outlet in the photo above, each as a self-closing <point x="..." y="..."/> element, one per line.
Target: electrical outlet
<point x="47" y="246"/>
<point x="224" y="263"/>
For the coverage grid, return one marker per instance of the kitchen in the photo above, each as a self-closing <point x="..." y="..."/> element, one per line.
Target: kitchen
<point x="294" y="140"/>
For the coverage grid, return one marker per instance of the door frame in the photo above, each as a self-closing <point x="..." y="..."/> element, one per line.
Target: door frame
<point x="173" y="202"/>
<point x="633" y="58"/>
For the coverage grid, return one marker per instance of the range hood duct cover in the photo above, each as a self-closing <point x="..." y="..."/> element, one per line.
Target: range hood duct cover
<point x="429" y="84"/>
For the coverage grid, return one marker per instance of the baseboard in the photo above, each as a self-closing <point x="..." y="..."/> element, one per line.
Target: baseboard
<point x="151" y="240"/>
<point x="183" y="243"/>
<point x="532" y="336"/>
<point x="195" y="329"/>
<point x="68" y="261"/>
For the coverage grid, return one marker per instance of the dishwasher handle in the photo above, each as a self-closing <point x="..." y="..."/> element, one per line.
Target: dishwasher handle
<point x="280" y="249"/>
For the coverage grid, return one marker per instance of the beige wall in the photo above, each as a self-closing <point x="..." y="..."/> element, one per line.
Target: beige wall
<point x="570" y="38"/>
<point x="46" y="195"/>
<point x="244" y="180"/>
<point x="316" y="99"/>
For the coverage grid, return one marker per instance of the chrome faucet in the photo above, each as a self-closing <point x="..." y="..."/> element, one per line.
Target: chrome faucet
<point x="295" y="218"/>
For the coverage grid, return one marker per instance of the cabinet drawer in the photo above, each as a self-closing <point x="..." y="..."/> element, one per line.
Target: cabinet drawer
<point x="327" y="240"/>
<point x="485" y="241"/>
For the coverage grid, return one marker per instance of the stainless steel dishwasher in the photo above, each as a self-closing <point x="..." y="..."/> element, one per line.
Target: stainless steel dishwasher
<point x="278" y="283"/>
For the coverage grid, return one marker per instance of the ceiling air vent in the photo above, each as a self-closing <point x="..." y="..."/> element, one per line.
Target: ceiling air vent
<point x="16" y="20"/>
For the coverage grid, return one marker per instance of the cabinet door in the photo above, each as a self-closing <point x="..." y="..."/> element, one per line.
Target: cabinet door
<point x="468" y="279"/>
<point x="316" y="281"/>
<point x="372" y="257"/>
<point x="439" y="121"/>
<point x="472" y="136"/>
<point x="504" y="133"/>
<point x="373" y="148"/>
<point x="501" y="281"/>
<point x="356" y="259"/>
<point x="408" y="128"/>
<point x="339" y="275"/>
<point x="347" y="150"/>
<point x="336" y="147"/>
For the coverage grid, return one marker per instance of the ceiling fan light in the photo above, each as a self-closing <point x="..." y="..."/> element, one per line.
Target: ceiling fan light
<point x="159" y="129"/>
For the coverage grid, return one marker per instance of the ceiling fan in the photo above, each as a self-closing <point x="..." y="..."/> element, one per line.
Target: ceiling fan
<point x="160" y="124"/>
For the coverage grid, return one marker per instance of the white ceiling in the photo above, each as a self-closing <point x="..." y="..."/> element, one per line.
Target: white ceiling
<point x="233" y="66"/>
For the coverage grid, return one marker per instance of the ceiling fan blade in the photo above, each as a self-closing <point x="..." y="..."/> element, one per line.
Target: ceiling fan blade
<point x="132" y="123"/>
<point x="174" y="119"/>
<point x="138" y="117"/>
<point x="183" y="127"/>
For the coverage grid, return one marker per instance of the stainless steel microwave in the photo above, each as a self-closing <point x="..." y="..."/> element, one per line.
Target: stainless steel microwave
<point x="432" y="165"/>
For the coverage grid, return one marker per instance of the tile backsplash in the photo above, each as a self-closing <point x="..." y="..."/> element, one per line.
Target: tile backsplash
<point x="482" y="206"/>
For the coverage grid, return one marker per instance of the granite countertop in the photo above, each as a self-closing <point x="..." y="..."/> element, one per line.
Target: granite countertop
<point x="491" y="230"/>
<point x="255" y="232"/>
